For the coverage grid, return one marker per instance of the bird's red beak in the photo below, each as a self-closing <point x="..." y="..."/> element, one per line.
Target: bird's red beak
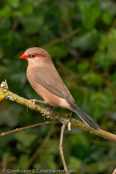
<point x="23" y="56"/>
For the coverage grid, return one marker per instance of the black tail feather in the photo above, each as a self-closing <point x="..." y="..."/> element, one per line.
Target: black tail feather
<point x="85" y="117"/>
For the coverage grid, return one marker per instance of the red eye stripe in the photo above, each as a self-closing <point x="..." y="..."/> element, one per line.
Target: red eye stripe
<point x="33" y="55"/>
<point x="40" y="55"/>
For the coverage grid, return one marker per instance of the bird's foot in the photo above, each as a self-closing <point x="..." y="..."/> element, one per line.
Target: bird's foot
<point x="34" y="101"/>
<point x="53" y="107"/>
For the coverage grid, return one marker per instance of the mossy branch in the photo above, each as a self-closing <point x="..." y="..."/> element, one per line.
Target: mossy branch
<point x="6" y="94"/>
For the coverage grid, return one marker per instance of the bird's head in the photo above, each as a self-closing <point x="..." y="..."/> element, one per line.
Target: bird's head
<point x="35" y="54"/>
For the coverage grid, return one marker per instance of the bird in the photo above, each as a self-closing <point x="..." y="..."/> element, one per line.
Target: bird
<point x="47" y="83"/>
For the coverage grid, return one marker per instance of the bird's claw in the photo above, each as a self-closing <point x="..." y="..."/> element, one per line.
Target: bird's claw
<point x="53" y="107"/>
<point x="33" y="101"/>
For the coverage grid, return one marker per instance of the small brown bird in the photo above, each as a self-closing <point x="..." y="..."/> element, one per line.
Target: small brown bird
<point x="47" y="83"/>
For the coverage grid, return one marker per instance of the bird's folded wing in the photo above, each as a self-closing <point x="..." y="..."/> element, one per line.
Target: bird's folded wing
<point x="50" y="80"/>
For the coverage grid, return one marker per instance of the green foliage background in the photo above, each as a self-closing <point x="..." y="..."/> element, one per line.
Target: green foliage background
<point x="86" y="62"/>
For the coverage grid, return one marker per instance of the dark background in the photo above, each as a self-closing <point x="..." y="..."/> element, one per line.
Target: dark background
<point x="81" y="38"/>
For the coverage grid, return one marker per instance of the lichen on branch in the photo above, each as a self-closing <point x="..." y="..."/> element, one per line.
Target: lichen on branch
<point x="6" y="94"/>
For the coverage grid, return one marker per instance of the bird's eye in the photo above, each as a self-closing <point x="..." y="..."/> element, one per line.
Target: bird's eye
<point x="33" y="55"/>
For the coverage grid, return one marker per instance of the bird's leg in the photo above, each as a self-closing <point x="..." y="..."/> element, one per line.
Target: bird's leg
<point x="39" y="101"/>
<point x="35" y="100"/>
<point x="53" y="107"/>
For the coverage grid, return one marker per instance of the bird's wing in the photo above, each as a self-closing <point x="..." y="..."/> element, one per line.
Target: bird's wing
<point x="49" y="78"/>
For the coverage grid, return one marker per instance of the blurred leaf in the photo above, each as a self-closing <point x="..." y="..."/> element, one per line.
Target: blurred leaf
<point x="5" y="12"/>
<point x="32" y="24"/>
<point x="22" y="76"/>
<point x="90" y="12"/>
<point x="74" y="163"/>
<point x="92" y="78"/>
<point x="10" y="115"/>
<point x="106" y="55"/>
<point x="25" y="138"/>
<point x="65" y="14"/>
<point x="103" y="59"/>
<point x="111" y="42"/>
<point x="113" y="116"/>
<point x="46" y="164"/>
<point x="57" y="51"/>
<point x="83" y="66"/>
<point x="3" y="70"/>
<point x="1" y="53"/>
<point x="21" y="148"/>
<point x="52" y="146"/>
<point x="88" y="40"/>
<point x="23" y="162"/>
<point x="109" y="6"/>
<point x="107" y="18"/>
<point x="4" y="25"/>
<point x="112" y="79"/>
<point x="101" y="101"/>
<point x="80" y="139"/>
<point x="14" y="40"/>
<point x="25" y="9"/>
<point x="28" y="6"/>
<point x="14" y="3"/>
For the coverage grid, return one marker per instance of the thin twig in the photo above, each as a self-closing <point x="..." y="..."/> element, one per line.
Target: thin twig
<point x="69" y="125"/>
<point x="61" y="39"/>
<point x="61" y="148"/>
<point x="27" y="127"/>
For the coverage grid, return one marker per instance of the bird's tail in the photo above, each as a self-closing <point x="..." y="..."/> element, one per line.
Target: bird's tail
<point x="84" y="117"/>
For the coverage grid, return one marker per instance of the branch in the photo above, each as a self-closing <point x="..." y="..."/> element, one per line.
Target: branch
<point x="61" y="148"/>
<point x="63" y="38"/>
<point x="6" y="94"/>
<point x="27" y="127"/>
